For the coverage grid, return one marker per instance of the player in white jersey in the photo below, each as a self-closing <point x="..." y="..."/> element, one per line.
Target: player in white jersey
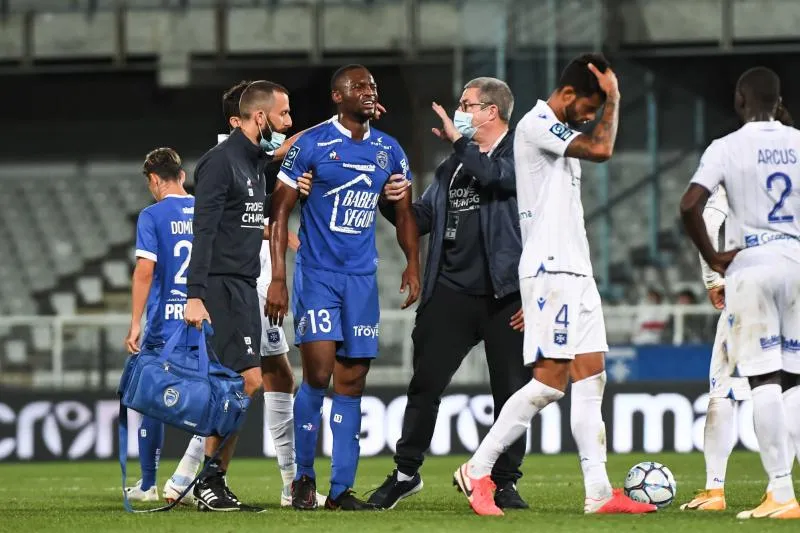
<point x="756" y="164"/>
<point x="719" y="432"/>
<point x="564" y="329"/>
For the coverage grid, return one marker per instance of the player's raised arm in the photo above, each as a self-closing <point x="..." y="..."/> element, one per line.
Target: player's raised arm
<point x="599" y="145"/>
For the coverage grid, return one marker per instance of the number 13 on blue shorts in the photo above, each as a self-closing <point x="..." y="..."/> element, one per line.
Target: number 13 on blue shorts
<point x="331" y="306"/>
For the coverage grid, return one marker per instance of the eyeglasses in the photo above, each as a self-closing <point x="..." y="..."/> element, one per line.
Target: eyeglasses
<point x="464" y="106"/>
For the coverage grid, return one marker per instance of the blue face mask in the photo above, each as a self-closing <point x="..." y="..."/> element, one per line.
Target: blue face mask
<point x="275" y="140"/>
<point x="463" y="123"/>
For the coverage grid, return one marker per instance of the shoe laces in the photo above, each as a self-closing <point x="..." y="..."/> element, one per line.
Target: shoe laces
<point x="391" y="477"/>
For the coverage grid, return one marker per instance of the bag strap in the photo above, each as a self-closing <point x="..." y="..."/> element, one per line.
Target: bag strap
<point x="202" y="344"/>
<point x="123" y="464"/>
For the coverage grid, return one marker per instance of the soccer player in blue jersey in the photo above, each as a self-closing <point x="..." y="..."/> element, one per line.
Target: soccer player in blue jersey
<point x="335" y="302"/>
<point x="163" y="248"/>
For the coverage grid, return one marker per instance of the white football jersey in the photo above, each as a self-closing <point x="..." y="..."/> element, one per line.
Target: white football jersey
<point x="757" y="164"/>
<point x="549" y="196"/>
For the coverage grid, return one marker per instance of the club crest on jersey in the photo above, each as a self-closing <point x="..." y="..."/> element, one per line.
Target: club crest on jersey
<point x="382" y="158"/>
<point x="561" y="131"/>
<point x="560" y="337"/>
<point x="273" y="337"/>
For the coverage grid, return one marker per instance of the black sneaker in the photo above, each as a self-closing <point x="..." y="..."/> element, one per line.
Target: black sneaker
<point x="389" y="494"/>
<point x="347" y="501"/>
<point x="243" y="507"/>
<point x="212" y="495"/>
<point x="304" y="493"/>
<point x="507" y="497"/>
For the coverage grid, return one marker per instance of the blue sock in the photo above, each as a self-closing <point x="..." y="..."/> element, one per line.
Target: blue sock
<point x="307" y="419"/>
<point x="151" y="439"/>
<point x="346" y="429"/>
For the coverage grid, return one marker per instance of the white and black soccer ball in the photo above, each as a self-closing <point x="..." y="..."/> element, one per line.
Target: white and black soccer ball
<point x="651" y="482"/>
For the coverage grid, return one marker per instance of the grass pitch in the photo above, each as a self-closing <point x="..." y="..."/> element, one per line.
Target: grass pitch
<point x="85" y="497"/>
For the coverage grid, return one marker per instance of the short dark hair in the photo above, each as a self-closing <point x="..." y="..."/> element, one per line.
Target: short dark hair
<point x="578" y="76"/>
<point x="258" y="93"/>
<point x="164" y="163"/>
<point x="761" y="88"/>
<point x="230" y="100"/>
<point x="342" y="71"/>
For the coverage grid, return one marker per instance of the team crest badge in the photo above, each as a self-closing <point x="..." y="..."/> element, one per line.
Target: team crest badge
<point x="171" y="397"/>
<point x="560" y="337"/>
<point x="382" y="159"/>
<point x="273" y="337"/>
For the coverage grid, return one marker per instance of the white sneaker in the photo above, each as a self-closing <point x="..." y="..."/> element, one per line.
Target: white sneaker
<point x="286" y="497"/>
<point x="136" y="493"/>
<point x="175" y="486"/>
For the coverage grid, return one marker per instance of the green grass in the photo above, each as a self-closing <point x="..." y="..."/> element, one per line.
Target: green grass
<point x="85" y="497"/>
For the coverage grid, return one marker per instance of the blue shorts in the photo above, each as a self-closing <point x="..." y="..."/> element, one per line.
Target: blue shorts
<point x="329" y="306"/>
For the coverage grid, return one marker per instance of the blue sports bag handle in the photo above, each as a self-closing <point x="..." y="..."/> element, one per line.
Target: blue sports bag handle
<point x="170" y="345"/>
<point x="202" y="344"/>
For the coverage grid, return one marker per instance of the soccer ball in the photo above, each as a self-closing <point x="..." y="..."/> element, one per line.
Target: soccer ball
<point x="651" y="482"/>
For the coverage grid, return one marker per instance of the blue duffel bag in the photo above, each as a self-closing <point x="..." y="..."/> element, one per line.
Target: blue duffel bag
<point x="183" y="385"/>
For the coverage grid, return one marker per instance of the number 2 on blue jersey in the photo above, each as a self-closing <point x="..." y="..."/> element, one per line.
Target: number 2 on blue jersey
<point x="563" y="316"/>
<point x="773" y="216"/>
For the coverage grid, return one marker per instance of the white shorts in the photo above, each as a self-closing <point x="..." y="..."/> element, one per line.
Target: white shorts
<point x="273" y="338"/>
<point x="720" y="373"/>
<point x="563" y="317"/>
<point x="762" y="286"/>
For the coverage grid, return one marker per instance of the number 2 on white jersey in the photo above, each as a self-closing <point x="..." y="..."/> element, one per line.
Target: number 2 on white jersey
<point x="773" y="216"/>
<point x="180" y="275"/>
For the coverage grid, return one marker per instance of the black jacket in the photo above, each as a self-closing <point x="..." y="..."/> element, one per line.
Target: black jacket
<point x="228" y="221"/>
<point x="499" y="215"/>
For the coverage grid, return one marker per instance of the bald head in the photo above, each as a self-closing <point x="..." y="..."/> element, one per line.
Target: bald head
<point x="759" y="91"/>
<point x="259" y="96"/>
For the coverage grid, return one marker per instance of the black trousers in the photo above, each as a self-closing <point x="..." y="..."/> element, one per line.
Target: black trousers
<point x="449" y="325"/>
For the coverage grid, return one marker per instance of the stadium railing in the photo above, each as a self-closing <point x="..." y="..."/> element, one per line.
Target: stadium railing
<point x="86" y="351"/>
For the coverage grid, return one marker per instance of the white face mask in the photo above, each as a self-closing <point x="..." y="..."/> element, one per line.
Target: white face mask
<point x="463" y="123"/>
<point x="275" y="140"/>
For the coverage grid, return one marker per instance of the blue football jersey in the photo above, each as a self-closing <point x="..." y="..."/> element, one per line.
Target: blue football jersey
<point x="164" y="235"/>
<point x="337" y="221"/>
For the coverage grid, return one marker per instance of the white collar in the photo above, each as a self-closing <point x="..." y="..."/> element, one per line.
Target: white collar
<point x="497" y="142"/>
<point x="344" y="131"/>
<point x="178" y="196"/>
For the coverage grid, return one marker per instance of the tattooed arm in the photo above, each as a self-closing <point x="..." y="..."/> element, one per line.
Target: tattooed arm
<point x="599" y="146"/>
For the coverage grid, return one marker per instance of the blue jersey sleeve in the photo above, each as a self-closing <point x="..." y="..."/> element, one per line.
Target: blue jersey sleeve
<point x="400" y="161"/>
<point x="146" y="239"/>
<point x="297" y="161"/>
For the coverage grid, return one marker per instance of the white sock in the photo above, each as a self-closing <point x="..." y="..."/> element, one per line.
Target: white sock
<point x="513" y="422"/>
<point x="403" y="477"/>
<point x="192" y="457"/>
<point x="769" y="420"/>
<point x="279" y="407"/>
<point x="791" y="404"/>
<point x="589" y="432"/>
<point x="719" y="437"/>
